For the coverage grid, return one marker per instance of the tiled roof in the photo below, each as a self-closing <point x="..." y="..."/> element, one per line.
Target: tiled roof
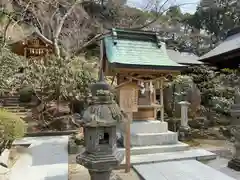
<point x="183" y="57"/>
<point x="138" y="48"/>
<point x="230" y="44"/>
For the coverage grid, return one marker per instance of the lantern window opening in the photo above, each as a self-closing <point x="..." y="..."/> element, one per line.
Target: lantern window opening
<point x="104" y="139"/>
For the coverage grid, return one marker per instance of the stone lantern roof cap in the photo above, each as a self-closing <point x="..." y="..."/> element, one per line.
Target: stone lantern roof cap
<point x="99" y="85"/>
<point x="103" y="110"/>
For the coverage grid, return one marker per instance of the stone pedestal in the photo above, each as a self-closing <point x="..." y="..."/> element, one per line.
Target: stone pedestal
<point x="235" y="113"/>
<point x="184" y="131"/>
<point x="150" y="133"/>
<point x="235" y="162"/>
<point x="99" y="175"/>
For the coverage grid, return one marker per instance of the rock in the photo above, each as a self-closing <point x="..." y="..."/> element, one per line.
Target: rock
<point x="183" y="89"/>
<point x="4" y="173"/>
<point x="197" y="134"/>
<point x="198" y="122"/>
<point x="226" y="132"/>
<point x="214" y="133"/>
<point x="224" y="121"/>
<point x="4" y="157"/>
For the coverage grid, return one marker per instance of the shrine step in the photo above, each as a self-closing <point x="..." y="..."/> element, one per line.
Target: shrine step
<point x="150" y="139"/>
<point x="16" y="108"/>
<point x="157" y="149"/>
<point x="197" y="154"/>
<point x="153" y="126"/>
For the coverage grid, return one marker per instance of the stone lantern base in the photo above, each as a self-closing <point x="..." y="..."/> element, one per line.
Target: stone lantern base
<point x="184" y="133"/>
<point x="234" y="164"/>
<point x="103" y="175"/>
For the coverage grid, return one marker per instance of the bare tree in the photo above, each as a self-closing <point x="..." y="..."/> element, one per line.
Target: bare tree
<point x="75" y="24"/>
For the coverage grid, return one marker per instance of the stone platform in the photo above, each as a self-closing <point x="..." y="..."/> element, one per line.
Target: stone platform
<point x="151" y="134"/>
<point x="47" y="159"/>
<point x="179" y="170"/>
<point x="194" y="154"/>
<point x="139" y="126"/>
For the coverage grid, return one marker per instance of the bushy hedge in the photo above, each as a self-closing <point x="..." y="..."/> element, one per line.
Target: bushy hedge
<point x="11" y="126"/>
<point x="25" y="94"/>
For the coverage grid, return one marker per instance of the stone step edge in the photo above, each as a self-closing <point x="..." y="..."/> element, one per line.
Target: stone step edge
<point x="135" y="150"/>
<point x="198" y="154"/>
<point x="155" y="134"/>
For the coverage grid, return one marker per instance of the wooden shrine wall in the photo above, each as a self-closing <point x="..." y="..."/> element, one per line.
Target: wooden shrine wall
<point x="143" y="109"/>
<point x="31" y="47"/>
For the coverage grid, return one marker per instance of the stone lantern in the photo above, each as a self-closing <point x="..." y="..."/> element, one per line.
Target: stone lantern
<point x="235" y="113"/>
<point x="184" y="129"/>
<point x="100" y="122"/>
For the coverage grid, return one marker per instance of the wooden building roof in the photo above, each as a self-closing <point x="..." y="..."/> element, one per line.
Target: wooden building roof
<point x="184" y="58"/>
<point x="227" y="53"/>
<point x="137" y="49"/>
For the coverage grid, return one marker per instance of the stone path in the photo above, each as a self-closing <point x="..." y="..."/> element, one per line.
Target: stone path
<point x="47" y="159"/>
<point x="199" y="154"/>
<point x="220" y="164"/>
<point x="180" y="170"/>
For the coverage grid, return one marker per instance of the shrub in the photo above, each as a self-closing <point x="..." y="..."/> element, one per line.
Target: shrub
<point x="11" y="126"/>
<point x="26" y="94"/>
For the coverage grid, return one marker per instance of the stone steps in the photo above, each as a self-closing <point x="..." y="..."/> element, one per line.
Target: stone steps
<point x="12" y="104"/>
<point x="154" y="126"/>
<point x="149" y="139"/>
<point x="197" y="154"/>
<point x="157" y="149"/>
<point x="16" y="108"/>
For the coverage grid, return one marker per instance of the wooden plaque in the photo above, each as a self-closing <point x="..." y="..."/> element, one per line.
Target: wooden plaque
<point x="128" y="99"/>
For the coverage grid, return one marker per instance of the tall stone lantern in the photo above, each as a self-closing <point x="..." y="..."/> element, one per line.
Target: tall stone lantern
<point x="100" y="122"/>
<point x="235" y="113"/>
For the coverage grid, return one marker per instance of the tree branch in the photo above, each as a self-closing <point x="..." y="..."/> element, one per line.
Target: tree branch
<point x="59" y="28"/>
<point x="158" y="15"/>
<point x="43" y="37"/>
<point x="91" y="41"/>
<point x="5" y="32"/>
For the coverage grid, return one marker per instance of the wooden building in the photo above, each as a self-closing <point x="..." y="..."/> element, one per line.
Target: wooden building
<point x="184" y="58"/>
<point x="227" y="53"/>
<point x="32" y="46"/>
<point x="139" y="58"/>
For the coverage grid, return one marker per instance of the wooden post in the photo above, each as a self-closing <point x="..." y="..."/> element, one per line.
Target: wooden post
<point x="128" y="98"/>
<point x="128" y="143"/>
<point x="161" y="96"/>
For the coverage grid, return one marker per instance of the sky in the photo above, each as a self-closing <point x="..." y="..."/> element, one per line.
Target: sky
<point x="190" y="8"/>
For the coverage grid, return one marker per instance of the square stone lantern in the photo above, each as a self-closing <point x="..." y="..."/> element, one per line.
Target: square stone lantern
<point x="100" y="122"/>
<point x="235" y="130"/>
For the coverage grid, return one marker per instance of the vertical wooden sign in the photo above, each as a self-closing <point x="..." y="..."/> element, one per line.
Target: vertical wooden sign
<point x="128" y="98"/>
<point x="128" y="101"/>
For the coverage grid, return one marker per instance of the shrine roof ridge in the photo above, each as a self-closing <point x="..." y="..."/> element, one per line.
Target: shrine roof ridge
<point x="138" y="49"/>
<point x="135" y="34"/>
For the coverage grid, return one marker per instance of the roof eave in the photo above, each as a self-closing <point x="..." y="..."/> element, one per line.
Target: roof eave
<point x="139" y="66"/>
<point x="216" y="57"/>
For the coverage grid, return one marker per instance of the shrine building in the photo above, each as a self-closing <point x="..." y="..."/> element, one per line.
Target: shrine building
<point x="227" y="53"/>
<point x="139" y="61"/>
<point x="32" y="45"/>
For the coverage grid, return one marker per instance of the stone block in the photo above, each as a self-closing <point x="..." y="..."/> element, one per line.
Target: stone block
<point x="157" y="149"/>
<point x="4" y="173"/>
<point x="154" y="126"/>
<point x="149" y="139"/>
<point x="196" y="154"/>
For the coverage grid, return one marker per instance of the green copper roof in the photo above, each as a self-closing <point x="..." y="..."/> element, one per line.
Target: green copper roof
<point x="137" y="49"/>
